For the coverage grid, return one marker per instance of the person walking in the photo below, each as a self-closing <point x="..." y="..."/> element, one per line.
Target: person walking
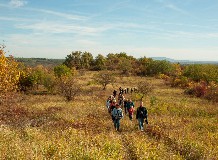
<point x="112" y="106"/>
<point x="131" y="110"/>
<point x="114" y="93"/>
<point x="130" y="105"/>
<point x="121" y="98"/>
<point x="108" y="103"/>
<point x="125" y="105"/>
<point x="117" y="114"/>
<point x="141" y="116"/>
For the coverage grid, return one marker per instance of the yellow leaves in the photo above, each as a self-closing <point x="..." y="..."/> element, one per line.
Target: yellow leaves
<point x="9" y="73"/>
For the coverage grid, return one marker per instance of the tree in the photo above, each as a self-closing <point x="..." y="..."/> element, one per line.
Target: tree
<point x="144" y="88"/>
<point x="104" y="78"/>
<point x="38" y="73"/>
<point x="99" y="63"/>
<point x="125" y="66"/>
<point x="142" y="67"/>
<point x="86" y="60"/>
<point x="62" y="70"/>
<point x="162" y="67"/>
<point x="49" y="82"/>
<point x="69" y="87"/>
<point x="73" y="60"/>
<point x="26" y="81"/>
<point x="112" y="62"/>
<point x="198" y="72"/>
<point x="9" y="73"/>
<point x="194" y="72"/>
<point x="150" y="67"/>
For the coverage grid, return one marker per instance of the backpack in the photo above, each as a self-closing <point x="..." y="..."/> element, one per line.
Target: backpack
<point x="118" y="114"/>
<point x="131" y="110"/>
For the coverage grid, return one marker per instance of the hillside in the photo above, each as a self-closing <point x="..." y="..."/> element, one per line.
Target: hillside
<point x="184" y="61"/>
<point x="33" y="62"/>
<point x="47" y="127"/>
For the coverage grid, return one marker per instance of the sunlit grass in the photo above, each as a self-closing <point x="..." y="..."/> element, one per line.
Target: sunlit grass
<point x="48" y="127"/>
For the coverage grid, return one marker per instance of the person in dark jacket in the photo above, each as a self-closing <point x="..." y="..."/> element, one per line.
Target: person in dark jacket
<point x="125" y="105"/>
<point x="114" y="93"/>
<point x="141" y="116"/>
<point x="117" y="115"/>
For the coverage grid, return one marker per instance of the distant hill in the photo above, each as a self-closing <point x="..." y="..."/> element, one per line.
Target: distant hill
<point x="184" y="61"/>
<point x="33" y="62"/>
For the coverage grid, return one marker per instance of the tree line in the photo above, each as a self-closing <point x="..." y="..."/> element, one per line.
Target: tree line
<point x="117" y="62"/>
<point x="197" y="79"/>
<point x="142" y="66"/>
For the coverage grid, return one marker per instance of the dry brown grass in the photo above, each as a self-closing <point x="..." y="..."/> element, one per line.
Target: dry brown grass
<point x="47" y="127"/>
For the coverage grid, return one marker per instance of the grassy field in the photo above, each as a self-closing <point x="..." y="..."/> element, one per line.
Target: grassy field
<point x="47" y="127"/>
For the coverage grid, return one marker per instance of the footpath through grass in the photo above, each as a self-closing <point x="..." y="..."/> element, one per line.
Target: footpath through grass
<point x="47" y="127"/>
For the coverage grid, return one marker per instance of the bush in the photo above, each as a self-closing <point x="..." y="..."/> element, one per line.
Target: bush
<point x="9" y="76"/>
<point x="9" y="72"/>
<point x="144" y="88"/>
<point x="26" y="82"/>
<point x="212" y="92"/>
<point x="62" y="70"/>
<point x="68" y="87"/>
<point x="49" y="82"/>
<point x="198" y="72"/>
<point x="197" y="89"/>
<point x="104" y="78"/>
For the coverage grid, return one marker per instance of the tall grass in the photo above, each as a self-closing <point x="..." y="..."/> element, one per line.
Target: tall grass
<point x="47" y="127"/>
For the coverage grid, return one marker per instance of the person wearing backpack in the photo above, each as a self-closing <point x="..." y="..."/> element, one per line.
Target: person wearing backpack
<point x="117" y="114"/>
<point x="112" y="106"/>
<point x="129" y="104"/>
<point x="141" y="116"/>
<point x="131" y="110"/>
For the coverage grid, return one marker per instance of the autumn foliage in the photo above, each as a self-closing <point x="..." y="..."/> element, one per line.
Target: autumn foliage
<point x="9" y="74"/>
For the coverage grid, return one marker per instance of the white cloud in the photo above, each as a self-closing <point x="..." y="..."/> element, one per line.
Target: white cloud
<point x="17" y="3"/>
<point x="15" y="19"/>
<point x="175" y="8"/>
<point x="51" y="27"/>
<point x="172" y="6"/>
<point x="59" y="14"/>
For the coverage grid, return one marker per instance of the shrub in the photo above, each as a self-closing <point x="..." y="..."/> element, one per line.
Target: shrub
<point x="212" y="92"/>
<point x="9" y="72"/>
<point x="49" y="82"/>
<point x="68" y="87"/>
<point x="197" y="89"/>
<point x="200" y="89"/>
<point x="144" y="88"/>
<point x="62" y="70"/>
<point x="164" y="77"/>
<point x="104" y="78"/>
<point x="9" y="76"/>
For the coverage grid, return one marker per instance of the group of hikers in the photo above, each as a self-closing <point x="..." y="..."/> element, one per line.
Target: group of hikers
<point x="115" y="109"/>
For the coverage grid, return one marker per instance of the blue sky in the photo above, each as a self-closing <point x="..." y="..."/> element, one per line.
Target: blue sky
<point x="179" y="29"/>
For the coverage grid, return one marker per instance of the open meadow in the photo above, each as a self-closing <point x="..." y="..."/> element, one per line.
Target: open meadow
<point x="48" y="127"/>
